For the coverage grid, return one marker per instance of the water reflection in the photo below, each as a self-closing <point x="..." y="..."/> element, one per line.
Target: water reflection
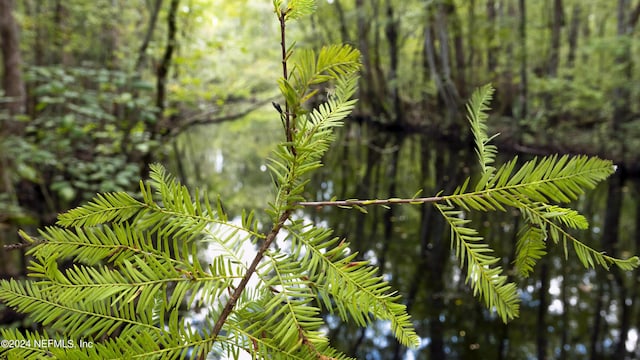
<point x="567" y="311"/>
<point x="579" y="315"/>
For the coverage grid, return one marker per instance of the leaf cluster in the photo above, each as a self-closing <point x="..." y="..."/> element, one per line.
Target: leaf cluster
<point x="124" y="271"/>
<point x="535" y="188"/>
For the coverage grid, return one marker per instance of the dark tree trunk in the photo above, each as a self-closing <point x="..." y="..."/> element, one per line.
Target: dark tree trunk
<point x="161" y="125"/>
<point x="61" y="34"/>
<point x="553" y="61"/>
<point x="572" y="37"/>
<point x="439" y="62"/>
<point x="12" y="263"/>
<point x="435" y="262"/>
<point x="455" y="26"/>
<point x="471" y="43"/>
<point x="369" y="86"/>
<point x="566" y="309"/>
<point x="492" y="48"/>
<point x="389" y="214"/>
<point x="610" y="238"/>
<point x="622" y="94"/>
<point x="522" y="34"/>
<point x="163" y="69"/>
<point x="14" y="91"/>
<point x="344" y="32"/>
<point x="391" y="31"/>
<point x="635" y="288"/>
<point x="142" y="51"/>
<point x="556" y="28"/>
<point x="541" y="324"/>
<point x="594" y="348"/>
<point x="12" y="82"/>
<point x="506" y="88"/>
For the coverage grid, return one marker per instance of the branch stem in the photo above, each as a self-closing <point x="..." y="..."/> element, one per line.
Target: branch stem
<point x="284" y="216"/>
<point x="372" y="202"/>
<point x="285" y="74"/>
<point x="231" y="303"/>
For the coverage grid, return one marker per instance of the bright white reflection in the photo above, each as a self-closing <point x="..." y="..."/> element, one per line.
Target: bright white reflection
<point x="632" y="340"/>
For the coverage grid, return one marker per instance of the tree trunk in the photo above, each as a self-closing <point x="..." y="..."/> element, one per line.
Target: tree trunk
<point x="388" y="215"/>
<point x="506" y="89"/>
<point x="369" y="86"/>
<point x="14" y="91"/>
<point x="523" y="89"/>
<point x="162" y="126"/>
<point x="459" y="76"/>
<point x="435" y="262"/>
<point x="391" y="31"/>
<point x="12" y="82"/>
<point x="344" y="32"/>
<point x="541" y="327"/>
<point x="595" y="346"/>
<point x="622" y="93"/>
<point x="61" y="34"/>
<point x="610" y="238"/>
<point x="165" y="64"/>
<point x="635" y="288"/>
<point x="556" y="28"/>
<point x="492" y="48"/>
<point x="471" y="42"/>
<point x="572" y="37"/>
<point x="142" y="52"/>
<point x="12" y="264"/>
<point x="439" y="63"/>
<point x="566" y="307"/>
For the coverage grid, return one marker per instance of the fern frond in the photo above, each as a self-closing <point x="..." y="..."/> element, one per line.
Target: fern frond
<point x="349" y="287"/>
<point x="297" y="9"/>
<point x="260" y="345"/>
<point x="78" y="319"/>
<point x="178" y="342"/>
<point x="589" y="257"/>
<point x="477" y="108"/>
<point x="331" y="63"/>
<point x="550" y="179"/>
<point x="530" y="247"/>
<point x="312" y="140"/>
<point x="287" y="312"/>
<point x="104" y="208"/>
<point x="485" y="278"/>
<point x="568" y="217"/>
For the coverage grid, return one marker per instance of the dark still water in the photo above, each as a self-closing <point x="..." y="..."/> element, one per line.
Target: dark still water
<point x="567" y="311"/>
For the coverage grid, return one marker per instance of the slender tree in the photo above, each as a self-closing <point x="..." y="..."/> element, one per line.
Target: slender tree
<point x="12" y="82"/>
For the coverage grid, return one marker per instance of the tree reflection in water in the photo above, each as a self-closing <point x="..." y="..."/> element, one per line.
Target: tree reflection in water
<point x="567" y="311"/>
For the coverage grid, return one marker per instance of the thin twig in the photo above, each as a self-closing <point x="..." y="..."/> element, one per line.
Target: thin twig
<point x="17" y="246"/>
<point x="289" y="115"/>
<point x="228" y="308"/>
<point x="233" y="299"/>
<point x="372" y="202"/>
<point x="285" y="73"/>
<point x="206" y="119"/>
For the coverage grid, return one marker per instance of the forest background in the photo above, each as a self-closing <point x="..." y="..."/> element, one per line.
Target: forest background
<point x="93" y="92"/>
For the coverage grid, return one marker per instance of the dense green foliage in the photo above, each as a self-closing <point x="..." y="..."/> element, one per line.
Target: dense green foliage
<point x="136" y="261"/>
<point x="96" y="116"/>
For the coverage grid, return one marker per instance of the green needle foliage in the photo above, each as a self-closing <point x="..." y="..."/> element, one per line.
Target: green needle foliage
<point x="135" y="270"/>
<point x="124" y="272"/>
<point x="533" y="189"/>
